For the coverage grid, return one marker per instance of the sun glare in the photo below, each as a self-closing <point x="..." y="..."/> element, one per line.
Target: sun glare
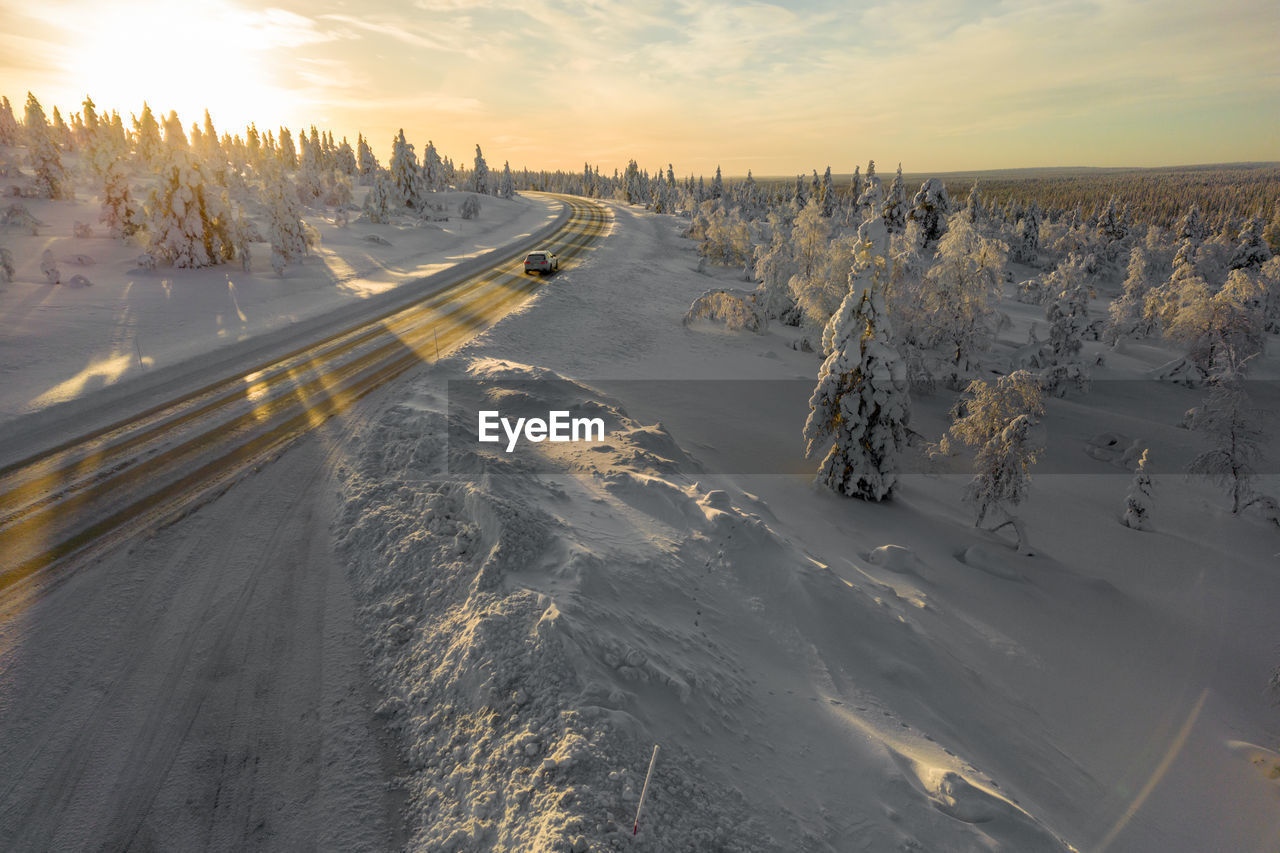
<point x="176" y="56"/>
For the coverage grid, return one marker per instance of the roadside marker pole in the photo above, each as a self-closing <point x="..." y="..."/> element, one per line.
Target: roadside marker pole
<point x="645" y="789"/>
<point x="437" y="340"/>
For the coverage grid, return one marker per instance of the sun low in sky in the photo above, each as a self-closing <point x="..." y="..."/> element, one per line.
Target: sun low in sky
<point x="772" y="88"/>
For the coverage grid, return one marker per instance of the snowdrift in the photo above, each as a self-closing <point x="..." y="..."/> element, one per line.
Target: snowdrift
<point x="533" y="634"/>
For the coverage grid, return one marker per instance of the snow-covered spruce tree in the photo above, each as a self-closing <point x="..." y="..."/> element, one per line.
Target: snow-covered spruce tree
<point x="972" y="204"/>
<point x="1137" y="504"/>
<point x="827" y="195"/>
<point x="10" y="132"/>
<point x="860" y="407"/>
<point x="43" y="155"/>
<point x="1227" y="418"/>
<point x="120" y="212"/>
<point x="175" y="139"/>
<point x="344" y="159"/>
<point x="1068" y="316"/>
<point x="406" y="179"/>
<point x="929" y="208"/>
<point x="961" y="293"/>
<point x="286" y="151"/>
<point x="146" y="132"/>
<point x="894" y="210"/>
<point x="998" y="420"/>
<point x="480" y="174"/>
<point x="310" y="169"/>
<point x="289" y="236"/>
<point x="1127" y="312"/>
<point x="872" y="196"/>
<point x="1026" y="236"/>
<point x="187" y="218"/>
<point x="507" y="186"/>
<point x="432" y="168"/>
<point x="378" y="203"/>
<point x="1251" y="249"/>
<point x="366" y="162"/>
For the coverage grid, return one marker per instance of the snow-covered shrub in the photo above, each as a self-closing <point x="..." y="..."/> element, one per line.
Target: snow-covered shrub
<point x="736" y="309"/>
<point x="18" y="216"/>
<point x="1137" y="504"/>
<point x="81" y="230"/>
<point x="470" y="208"/>
<point x="860" y="407"/>
<point x="6" y="265"/>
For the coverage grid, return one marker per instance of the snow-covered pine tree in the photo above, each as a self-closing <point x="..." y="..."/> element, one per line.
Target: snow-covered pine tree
<point x="717" y="184"/>
<point x="1137" y="504"/>
<point x="480" y="174"/>
<point x="10" y="132"/>
<point x="1232" y="425"/>
<point x="289" y="236"/>
<point x="406" y="179"/>
<point x="507" y="187"/>
<point x="929" y="209"/>
<point x="860" y="407"/>
<point x="365" y="161"/>
<point x="187" y="219"/>
<point x="999" y="420"/>
<point x="894" y="210"/>
<point x="42" y="153"/>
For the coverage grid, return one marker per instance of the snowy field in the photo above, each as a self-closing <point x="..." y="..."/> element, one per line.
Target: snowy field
<point x="821" y="673"/>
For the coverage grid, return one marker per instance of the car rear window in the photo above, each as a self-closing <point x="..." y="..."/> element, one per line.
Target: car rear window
<point x="537" y="257"/>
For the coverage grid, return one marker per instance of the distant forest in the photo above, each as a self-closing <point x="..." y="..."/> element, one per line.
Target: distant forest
<point x="1225" y="193"/>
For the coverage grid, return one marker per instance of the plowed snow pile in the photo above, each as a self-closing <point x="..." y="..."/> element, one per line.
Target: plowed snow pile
<point x="535" y="633"/>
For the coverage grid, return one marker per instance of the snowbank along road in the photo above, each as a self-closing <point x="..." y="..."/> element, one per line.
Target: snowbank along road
<point x="84" y="494"/>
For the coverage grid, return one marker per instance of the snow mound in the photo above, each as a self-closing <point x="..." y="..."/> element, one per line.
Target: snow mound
<point x="896" y="558"/>
<point x="1115" y="449"/>
<point x="986" y="560"/>
<point x="533" y="634"/>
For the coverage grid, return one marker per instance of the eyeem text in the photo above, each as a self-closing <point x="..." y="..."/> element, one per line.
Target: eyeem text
<point x="558" y="426"/>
